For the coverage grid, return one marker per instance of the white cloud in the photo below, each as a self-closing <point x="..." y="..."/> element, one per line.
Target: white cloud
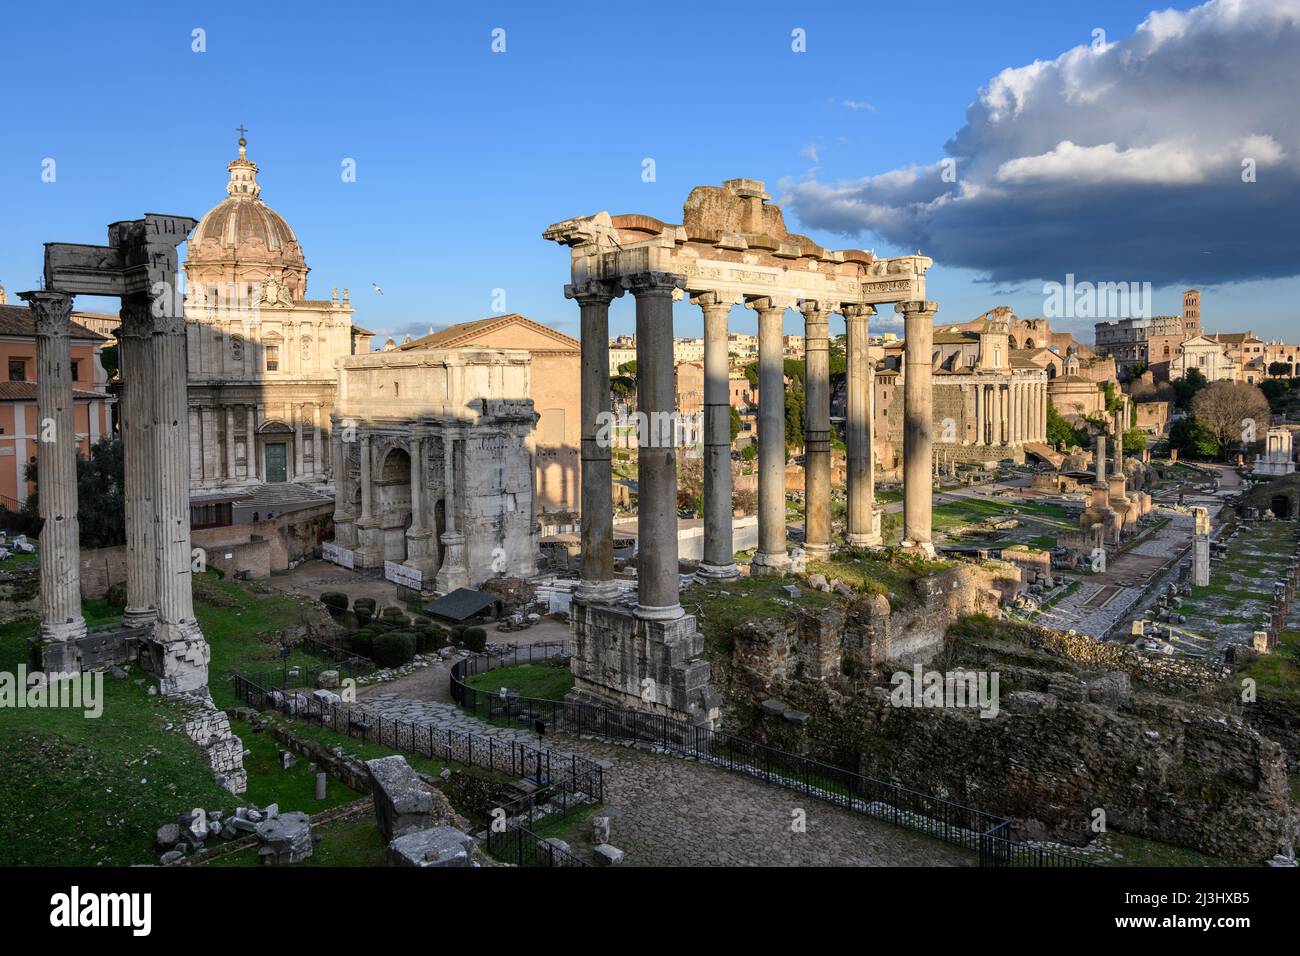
<point x="1122" y="157"/>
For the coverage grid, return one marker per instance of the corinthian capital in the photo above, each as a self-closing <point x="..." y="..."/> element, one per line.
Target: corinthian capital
<point x="854" y="311"/>
<point x="654" y="283"/>
<point x="50" y="310"/>
<point x="924" y="306"/>
<point x="593" y="290"/>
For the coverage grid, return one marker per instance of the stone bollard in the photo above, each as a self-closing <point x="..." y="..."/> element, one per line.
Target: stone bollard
<point x="320" y="786"/>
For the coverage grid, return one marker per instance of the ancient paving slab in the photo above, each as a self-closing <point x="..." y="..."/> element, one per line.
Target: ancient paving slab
<point x="666" y="811"/>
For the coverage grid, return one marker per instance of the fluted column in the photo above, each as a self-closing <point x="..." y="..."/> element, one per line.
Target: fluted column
<point x="719" y="555"/>
<point x="817" y="430"/>
<point x="657" y="550"/>
<point x="56" y="476"/>
<point x="596" y="578"/>
<point x="918" y="422"/>
<point x="771" y="556"/>
<point x="861" y="531"/>
<point x="135" y="355"/>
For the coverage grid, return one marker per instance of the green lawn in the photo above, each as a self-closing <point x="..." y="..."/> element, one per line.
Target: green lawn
<point x="352" y="842"/>
<point x="537" y="681"/>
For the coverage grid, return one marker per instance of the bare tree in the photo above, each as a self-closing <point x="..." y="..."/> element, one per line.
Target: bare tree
<point x="1233" y="412"/>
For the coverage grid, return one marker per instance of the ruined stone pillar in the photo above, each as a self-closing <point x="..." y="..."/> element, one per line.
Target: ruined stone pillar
<point x="596" y="578"/>
<point x="863" y="529"/>
<point x="918" y="422"/>
<point x="135" y="355"/>
<point x="719" y="556"/>
<point x="419" y="534"/>
<point x="180" y="655"/>
<point x="817" y="430"/>
<point x="56" y="477"/>
<point x="657" y="574"/>
<point x="344" y="519"/>
<point x="1201" y="547"/>
<point x="771" y="556"/>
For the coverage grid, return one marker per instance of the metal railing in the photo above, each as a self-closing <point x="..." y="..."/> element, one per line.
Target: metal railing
<point x="984" y="833"/>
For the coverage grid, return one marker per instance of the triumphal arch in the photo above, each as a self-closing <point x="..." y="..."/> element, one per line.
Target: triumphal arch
<point x="732" y="248"/>
<point x="138" y="265"/>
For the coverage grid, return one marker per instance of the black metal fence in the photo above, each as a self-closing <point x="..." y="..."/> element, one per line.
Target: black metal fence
<point x="984" y="833"/>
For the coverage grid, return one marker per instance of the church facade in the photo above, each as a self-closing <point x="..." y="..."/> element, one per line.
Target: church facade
<point x="261" y="354"/>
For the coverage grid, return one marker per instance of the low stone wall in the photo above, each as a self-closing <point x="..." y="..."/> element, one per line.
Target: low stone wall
<point x="210" y="729"/>
<point x="1165" y="671"/>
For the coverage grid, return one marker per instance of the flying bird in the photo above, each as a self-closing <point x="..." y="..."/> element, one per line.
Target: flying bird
<point x="375" y="286"/>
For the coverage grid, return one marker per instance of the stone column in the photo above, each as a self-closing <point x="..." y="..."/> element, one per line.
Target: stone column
<point x="453" y="574"/>
<point x="136" y="358"/>
<point x="979" y="414"/>
<point x="252" y="461"/>
<point x="56" y="475"/>
<point x="657" y="551"/>
<point x="719" y="556"/>
<point x="365" y="478"/>
<point x="771" y="556"/>
<point x="817" y="431"/>
<point x="918" y="422"/>
<point x="180" y="655"/>
<point x="317" y="453"/>
<point x="596" y="578"/>
<point x="230" y="442"/>
<point x="862" y="531"/>
<point x="298" y="462"/>
<point x="419" y="534"/>
<point x="344" y="518"/>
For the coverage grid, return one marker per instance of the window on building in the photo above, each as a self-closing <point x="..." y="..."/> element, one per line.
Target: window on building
<point x="272" y="358"/>
<point x="17" y="370"/>
<point x="76" y="369"/>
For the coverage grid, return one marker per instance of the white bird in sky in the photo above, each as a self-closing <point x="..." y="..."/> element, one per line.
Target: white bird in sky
<point x="375" y="286"/>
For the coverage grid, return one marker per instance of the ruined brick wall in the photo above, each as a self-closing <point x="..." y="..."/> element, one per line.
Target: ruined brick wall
<point x="1177" y="773"/>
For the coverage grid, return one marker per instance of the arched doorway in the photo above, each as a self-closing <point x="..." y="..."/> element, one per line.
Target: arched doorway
<point x="393" y="502"/>
<point x="275" y="448"/>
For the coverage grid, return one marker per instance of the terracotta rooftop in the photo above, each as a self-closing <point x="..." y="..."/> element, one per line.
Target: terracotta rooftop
<point x="26" y="392"/>
<point x="18" y="320"/>
<point x="464" y="333"/>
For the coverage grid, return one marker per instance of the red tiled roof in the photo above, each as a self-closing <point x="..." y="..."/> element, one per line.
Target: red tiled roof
<point x="18" y="320"/>
<point x="26" y="392"/>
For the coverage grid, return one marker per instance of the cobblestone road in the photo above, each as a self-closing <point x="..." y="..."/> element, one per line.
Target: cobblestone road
<point x="667" y="811"/>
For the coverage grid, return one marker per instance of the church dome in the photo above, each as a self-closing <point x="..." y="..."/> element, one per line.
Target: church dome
<point x="244" y="240"/>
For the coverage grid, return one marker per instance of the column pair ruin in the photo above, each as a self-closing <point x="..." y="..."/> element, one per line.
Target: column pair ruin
<point x="139" y="266"/>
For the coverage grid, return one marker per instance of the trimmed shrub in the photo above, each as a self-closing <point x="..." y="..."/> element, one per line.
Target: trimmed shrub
<point x="394" y="615"/>
<point x="364" y="608"/>
<point x="361" y="642"/>
<point x="394" y="648"/>
<point x="336" y="602"/>
<point x="475" y="639"/>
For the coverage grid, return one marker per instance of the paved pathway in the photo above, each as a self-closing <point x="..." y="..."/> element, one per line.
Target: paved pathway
<point x="666" y="811"/>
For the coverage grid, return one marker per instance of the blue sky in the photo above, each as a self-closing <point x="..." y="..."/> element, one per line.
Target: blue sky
<point x="464" y="156"/>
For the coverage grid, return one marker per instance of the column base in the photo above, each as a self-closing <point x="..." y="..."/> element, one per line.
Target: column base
<point x="717" y="572"/>
<point x="139" y="617"/>
<point x="64" y="631"/>
<point x="176" y="656"/>
<point x="765" y="563"/>
<point x="816" y="552"/>
<point x="453" y="574"/>
<point x="919" y="547"/>
<point x="596" y="592"/>
<point x="873" y="540"/>
<point x="666" y="612"/>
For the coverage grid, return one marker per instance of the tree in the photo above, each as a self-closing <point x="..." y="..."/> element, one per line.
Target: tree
<point x="1279" y="369"/>
<point x="1233" y="412"/>
<point x="1135" y="440"/>
<point x="794" y="418"/>
<point x="735" y="422"/>
<point x="751" y="374"/>
<point x="1192" y="439"/>
<point x="101" y="486"/>
<point x="749" y="452"/>
<point x="1061" y="432"/>
<point x="628" y="369"/>
<point x="1187" y="387"/>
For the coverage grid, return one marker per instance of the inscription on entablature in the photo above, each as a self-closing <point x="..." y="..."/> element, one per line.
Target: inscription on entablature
<point x="894" y="285"/>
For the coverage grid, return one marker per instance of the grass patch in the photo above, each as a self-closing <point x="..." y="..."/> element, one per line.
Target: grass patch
<point x="353" y="842"/>
<point x="293" y="789"/>
<point x="541" y="681"/>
